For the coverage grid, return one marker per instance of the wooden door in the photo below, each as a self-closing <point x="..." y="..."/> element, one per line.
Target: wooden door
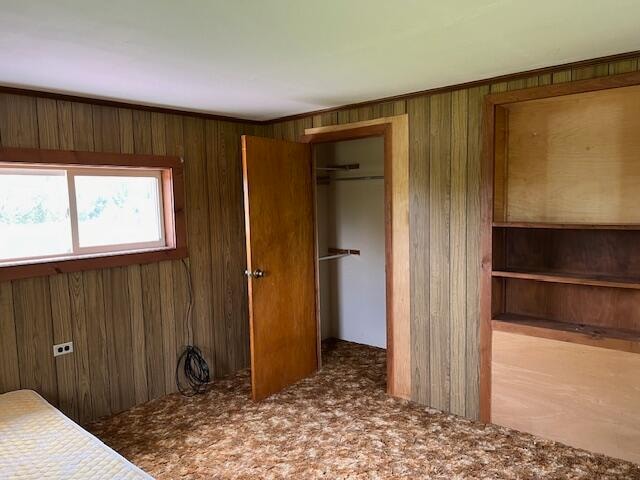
<point x="279" y="219"/>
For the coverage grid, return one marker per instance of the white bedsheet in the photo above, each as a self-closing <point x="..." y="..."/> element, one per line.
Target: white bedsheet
<point x="37" y="441"/>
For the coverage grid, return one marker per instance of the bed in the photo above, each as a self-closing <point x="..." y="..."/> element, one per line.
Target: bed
<point x="38" y="441"/>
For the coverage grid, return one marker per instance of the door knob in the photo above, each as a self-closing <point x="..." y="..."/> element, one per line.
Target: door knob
<point x="257" y="273"/>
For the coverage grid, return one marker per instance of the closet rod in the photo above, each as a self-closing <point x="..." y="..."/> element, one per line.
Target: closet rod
<point x="350" y="166"/>
<point x="340" y="179"/>
<point x="331" y="257"/>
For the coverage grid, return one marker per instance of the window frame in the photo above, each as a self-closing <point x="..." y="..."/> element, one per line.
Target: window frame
<point x="167" y="169"/>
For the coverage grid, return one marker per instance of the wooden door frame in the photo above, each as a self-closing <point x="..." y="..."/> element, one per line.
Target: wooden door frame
<point x="395" y="131"/>
<point x="493" y="125"/>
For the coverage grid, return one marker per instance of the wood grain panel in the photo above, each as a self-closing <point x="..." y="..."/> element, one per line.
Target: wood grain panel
<point x="63" y="332"/>
<point x="325" y="119"/>
<point x="623" y="66"/>
<point x="138" y="338"/>
<point x="567" y="163"/>
<point x="81" y="350"/>
<point x="150" y="277"/>
<point x="458" y="251"/>
<point x="590" y="71"/>
<point x="127" y="324"/>
<point x="198" y="229"/>
<point x="228" y="256"/>
<point x="215" y="170"/>
<point x="9" y="370"/>
<point x="34" y="336"/>
<point x="119" y="343"/>
<point x="439" y="251"/>
<point x="579" y="395"/>
<point x="474" y="149"/>
<point x="174" y="144"/>
<point x="418" y="111"/>
<point x="97" y="343"/>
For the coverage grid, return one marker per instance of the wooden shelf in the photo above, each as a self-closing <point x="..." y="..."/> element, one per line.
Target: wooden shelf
<point x="604" y="337"/>
<point x="573" y="279"/>
<point x="567" y="226"/>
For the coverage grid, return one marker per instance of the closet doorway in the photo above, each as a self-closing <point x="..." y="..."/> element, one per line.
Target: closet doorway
<point x="362" y="226"/>
<point x="351" y="240"/>
<point x="283" y="265"/>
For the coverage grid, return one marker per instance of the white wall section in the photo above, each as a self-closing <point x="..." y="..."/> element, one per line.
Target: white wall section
<point x="351" y="215"/>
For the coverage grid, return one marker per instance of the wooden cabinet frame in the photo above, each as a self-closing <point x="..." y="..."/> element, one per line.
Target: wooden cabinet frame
<point x="493" y="130"/>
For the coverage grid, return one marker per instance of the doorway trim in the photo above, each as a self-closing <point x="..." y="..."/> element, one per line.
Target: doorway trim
<point x="395" y="131"/>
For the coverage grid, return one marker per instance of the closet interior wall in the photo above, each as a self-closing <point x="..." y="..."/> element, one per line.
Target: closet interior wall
<point x="350" y="215"/>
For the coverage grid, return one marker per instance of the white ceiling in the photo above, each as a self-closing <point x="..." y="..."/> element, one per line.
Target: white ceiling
<point x="260" y="59"/>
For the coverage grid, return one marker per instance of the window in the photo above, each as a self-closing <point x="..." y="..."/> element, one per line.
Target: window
<point x="34" y="214"/>
<point x="54" y="213"/>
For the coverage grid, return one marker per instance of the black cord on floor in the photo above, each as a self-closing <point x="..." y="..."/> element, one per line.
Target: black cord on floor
<point x="196" y="372"/>
<point x="194" y="366"/>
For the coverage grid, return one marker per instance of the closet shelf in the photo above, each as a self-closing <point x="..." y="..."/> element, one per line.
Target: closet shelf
<point x="332" y="257"/>
<point x="570" y="278"/>
<point x="604" y="337"/>
<point x="568" y="226"/>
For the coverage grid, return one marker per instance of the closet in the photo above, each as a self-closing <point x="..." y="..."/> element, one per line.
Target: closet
<point x="350" y="227"/>
<point x="561" y="297"/>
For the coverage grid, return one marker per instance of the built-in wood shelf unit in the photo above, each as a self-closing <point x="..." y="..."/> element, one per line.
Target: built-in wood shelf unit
<point x="605" y="337"/>
<point x="572" y="279"/>
<point x="561" y="241"/>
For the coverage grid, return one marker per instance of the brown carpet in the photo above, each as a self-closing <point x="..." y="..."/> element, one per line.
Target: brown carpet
<point x="338" y="424"/>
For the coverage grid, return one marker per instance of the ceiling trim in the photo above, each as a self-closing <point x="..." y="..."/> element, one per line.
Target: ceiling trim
<point x="210" y="116"/>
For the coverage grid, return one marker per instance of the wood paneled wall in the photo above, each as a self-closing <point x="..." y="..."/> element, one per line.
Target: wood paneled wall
<point x="445" y="149"/>
<point x="128" y="324"/>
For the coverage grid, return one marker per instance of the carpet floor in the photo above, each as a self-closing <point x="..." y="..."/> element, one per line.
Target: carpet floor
<point x="337" y="424"/>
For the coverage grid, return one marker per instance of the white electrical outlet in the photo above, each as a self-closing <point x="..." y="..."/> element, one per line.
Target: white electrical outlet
<point x="62" y="349"/>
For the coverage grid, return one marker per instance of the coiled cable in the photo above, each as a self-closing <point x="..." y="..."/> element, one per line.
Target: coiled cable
<point x="195" y="369"/>
<point x="196" y="372"/>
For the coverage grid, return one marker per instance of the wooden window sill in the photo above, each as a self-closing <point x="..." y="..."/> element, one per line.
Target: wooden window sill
<point x="77" y="264"/>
